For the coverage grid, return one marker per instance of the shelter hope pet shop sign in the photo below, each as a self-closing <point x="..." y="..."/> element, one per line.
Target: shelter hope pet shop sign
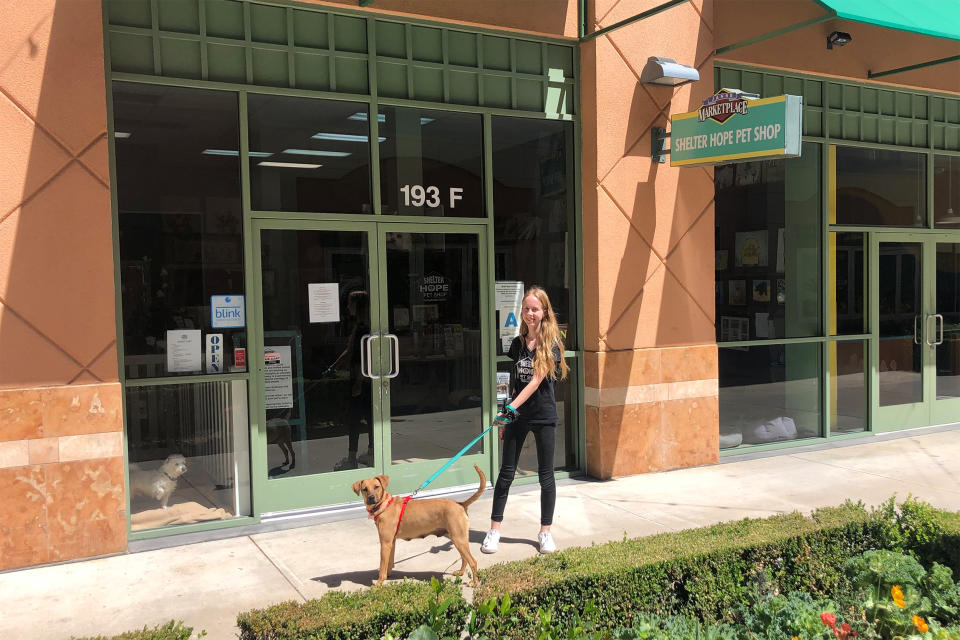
<point x="730" y="127"/>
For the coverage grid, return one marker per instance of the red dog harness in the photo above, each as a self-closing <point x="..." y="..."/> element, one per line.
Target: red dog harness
<point x="379" y="512"/>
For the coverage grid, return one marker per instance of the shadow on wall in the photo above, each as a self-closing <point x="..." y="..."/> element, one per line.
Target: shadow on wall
<point x="57" y="319"/>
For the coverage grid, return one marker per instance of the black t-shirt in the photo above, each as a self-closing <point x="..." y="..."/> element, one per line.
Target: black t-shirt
<point x="541" y="406"/>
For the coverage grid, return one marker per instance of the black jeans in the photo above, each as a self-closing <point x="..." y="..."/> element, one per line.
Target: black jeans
<point x="513" y="437"/>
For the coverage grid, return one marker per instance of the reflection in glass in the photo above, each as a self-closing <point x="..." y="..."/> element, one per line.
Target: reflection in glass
<point x="180" y="225"/>
<point x="309" y="155"/>
<point x="946" y="192"/>
<point x="769" y="393"/>
<point x="767" y="238"/>
<point x="901" y="323"/>
<point x="880" y="187"/>
<point x="189" y="453"/>
<point x="564" y="458"/>
<point x="318" y="405"/>
<point x="848" y="317"/>
<point x="948" y="306"/>
<point x="433" y="294"/>
<point x="533" y="201"/>
<point x="849" y="386"/>
<point x="431" y="162"/>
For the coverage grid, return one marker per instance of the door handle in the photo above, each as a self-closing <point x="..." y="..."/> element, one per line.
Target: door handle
<point x="940" y="337"/>
<point x="366" y="355"/>
<point x="395" y="370"/>
<point x="926" y="329"/>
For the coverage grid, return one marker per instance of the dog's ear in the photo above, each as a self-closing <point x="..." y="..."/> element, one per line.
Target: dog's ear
<point x="356" y="486"/>
<point x="384" y="481"/>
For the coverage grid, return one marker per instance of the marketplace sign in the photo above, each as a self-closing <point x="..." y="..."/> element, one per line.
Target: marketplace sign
<point x="732" y="128"/>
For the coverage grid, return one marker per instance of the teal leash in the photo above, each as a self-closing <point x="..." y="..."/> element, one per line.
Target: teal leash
<point x="450" y="462"/>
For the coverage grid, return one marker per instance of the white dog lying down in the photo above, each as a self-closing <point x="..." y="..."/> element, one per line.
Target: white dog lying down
<point x="159" y="483"/>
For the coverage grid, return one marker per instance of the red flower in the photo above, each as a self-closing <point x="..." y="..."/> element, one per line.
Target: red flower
<point x="828" y="619"/>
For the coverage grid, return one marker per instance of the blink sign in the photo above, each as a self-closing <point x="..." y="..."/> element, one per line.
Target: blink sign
<point x="730" y="127"/>
<point x="227" y="312"/>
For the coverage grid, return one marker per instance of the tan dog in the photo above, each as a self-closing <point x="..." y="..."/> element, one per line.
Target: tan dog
<point x="421" y="518"/>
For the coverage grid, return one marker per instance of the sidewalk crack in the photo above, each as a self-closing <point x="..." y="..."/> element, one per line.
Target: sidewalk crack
<point x="287" y="575"/>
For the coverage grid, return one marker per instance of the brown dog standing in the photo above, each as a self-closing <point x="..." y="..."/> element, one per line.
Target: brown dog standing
<point x="421" y="518"/>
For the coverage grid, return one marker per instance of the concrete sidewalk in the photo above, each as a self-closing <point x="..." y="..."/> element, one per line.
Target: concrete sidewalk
<point x="206" y="584"/>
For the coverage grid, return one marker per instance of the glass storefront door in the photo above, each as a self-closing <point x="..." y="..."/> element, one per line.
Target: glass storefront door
<point x="371" y="357"/>
<point x="916" y="326"/>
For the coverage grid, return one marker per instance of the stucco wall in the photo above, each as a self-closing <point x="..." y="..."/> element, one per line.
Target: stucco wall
<point x="651" y="357"/>
<point x="61" y="464"/>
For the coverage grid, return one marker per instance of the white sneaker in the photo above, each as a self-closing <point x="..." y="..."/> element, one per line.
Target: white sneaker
<point x="547" y="545"/>
<point x="491" y="542"/>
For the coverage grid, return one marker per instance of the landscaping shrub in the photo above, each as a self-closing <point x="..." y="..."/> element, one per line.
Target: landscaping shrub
<point x="169" y="631"/>
<point x="396" y="608"/>
<point x="711" y="575"/>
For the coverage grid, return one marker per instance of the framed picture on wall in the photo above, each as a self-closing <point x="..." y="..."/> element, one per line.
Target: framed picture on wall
<point x="738" y="292"/>
<point x="761" y="291"/>
<point x="750" y="248"/>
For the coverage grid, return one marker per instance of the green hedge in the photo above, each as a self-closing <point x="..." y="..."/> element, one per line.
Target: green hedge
<point x="398" y="607"/>
<point x="173" y="630"/>
<point x="700" y="573"/>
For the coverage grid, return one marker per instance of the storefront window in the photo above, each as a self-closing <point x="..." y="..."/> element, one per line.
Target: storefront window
<point x="431" y="162"/>
<point x="848" y="374"/>
<point x="769" y="393"/>
<point x="533" y="198"/>
<point x="768" y="248"/>
<point x="847" y="256"/>
<point x="880" y="187"/>
<point x="946" y="192"/>
<point x="309" y="155"/>
<point x="180" y="224"/>
<point x="188" y="452"/>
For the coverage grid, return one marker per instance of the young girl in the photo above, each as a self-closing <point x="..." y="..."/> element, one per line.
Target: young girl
<point x="537" y="355"/>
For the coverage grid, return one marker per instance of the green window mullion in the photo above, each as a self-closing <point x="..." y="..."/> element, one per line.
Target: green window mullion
<point x="202" y="21"/>
<point x="248" y="38"/>
<point x="488" y="180"/>
<point x="182" y="380"/>
<point x="408" y="40"/>
<point x="155" y="29"/>
<point x="929" y="183"/>
<point x="445" y="49"/>
<point x="480" y="99"/>
<point x="374" y="106"/>
<point x="513" y="73"/>
<point x="291" y="48"/>
<point x="545" y="77"/>
<point x="332" y="48"/>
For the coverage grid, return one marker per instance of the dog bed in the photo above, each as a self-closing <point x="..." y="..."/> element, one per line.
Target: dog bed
<point x="180" y="513"/>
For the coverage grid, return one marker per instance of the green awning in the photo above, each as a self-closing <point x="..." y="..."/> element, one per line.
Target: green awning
<point x="938" y="18"/>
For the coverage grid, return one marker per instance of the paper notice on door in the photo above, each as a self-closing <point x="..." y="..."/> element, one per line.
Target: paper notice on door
<point x="762" y="324"/>
<point x="324" y="301"/>
<point x="184" y="351"/>
<point x="277" y="377"/>
<point x="508" y="295"/>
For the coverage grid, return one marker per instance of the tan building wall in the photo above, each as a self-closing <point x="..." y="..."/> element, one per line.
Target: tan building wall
<point x="61" y="458"/>
<point x="651" y="357"/>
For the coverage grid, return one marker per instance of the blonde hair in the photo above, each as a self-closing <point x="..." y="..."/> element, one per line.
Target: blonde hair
<point x="543" y="362"/>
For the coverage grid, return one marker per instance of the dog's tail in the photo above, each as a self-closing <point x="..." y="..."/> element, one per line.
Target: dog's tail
<point x="483" y="487"/>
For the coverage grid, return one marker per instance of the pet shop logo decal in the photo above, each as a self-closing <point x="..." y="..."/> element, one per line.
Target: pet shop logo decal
<point x="434" y="288"/>
<point x="722" y="106"/>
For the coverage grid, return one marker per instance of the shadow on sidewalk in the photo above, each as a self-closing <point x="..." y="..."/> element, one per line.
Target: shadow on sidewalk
<point x="367" y="578"/>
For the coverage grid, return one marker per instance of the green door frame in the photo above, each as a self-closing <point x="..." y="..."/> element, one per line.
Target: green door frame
<point x="272" y="495"/>
<point x="930" y="410"/>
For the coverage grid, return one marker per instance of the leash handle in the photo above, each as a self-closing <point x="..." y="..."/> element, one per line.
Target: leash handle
<point x="451" y="461"/>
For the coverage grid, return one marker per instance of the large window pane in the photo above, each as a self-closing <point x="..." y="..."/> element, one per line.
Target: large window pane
<point x="946" y="192"/>
<point x="879" y="187"/>
<point x="848" y="412"/>
<point x="847" y="316"/>
<point x="533" y="200"/>
<point x="768" y="248"/>
<point x="948" y="306"/>
<point x="309" y="155"/>
<point x="769" y="393"/>
<point x="180" y="223"/>
<point x="900" y="319"/>
<point x="431" y="162"/>
<point x="189" y="453"/>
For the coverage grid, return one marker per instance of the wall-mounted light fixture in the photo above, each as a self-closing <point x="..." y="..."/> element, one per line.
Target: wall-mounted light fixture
<point x="667" y="72"/>
<point x="838" y="38"/>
